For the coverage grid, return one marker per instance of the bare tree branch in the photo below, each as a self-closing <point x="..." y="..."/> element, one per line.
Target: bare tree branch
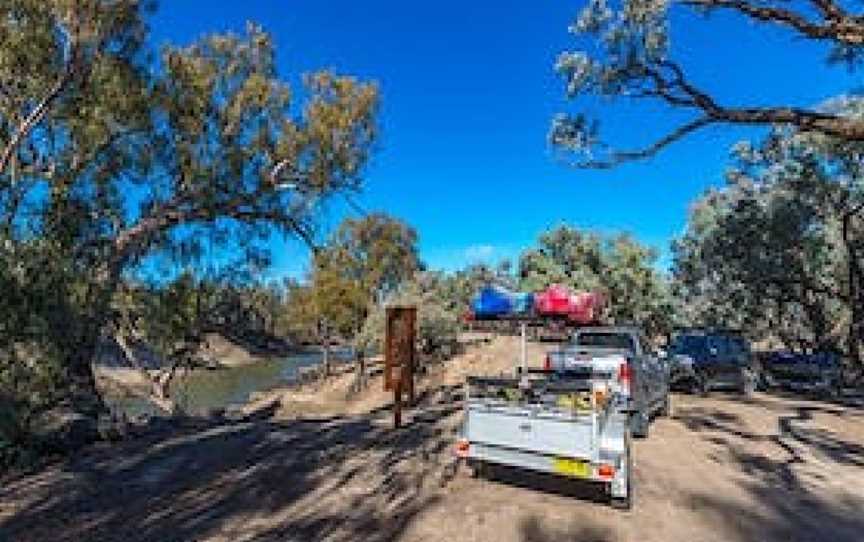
<point x="838" y="26"/>
<point x="41" y="109"/>
<point x="158" y="383"/>
<point x="617" y="157"/>
<point x="674" y="88"/>
<point x="829" y="10"/>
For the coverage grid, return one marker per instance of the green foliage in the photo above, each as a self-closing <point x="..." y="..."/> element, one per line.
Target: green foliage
<point x="779" y="251"/>
<point x="108" y="158"/>
<point x="36" y="317"/>
<point x="378" y="251"/>
<point x="336" y="300"/>
<point x="618" y="266"/>
<point x="438" y="321"/>
<point x="622" y="50"/>
<point x="366" y="260"/>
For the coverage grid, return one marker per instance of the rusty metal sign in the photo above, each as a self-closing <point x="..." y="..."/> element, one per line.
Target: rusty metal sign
<point x="400" y="355"/>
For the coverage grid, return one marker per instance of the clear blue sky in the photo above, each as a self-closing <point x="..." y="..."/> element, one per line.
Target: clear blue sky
<point x="468" y="91"/>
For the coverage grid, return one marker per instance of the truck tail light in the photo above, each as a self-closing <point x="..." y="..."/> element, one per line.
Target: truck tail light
<point x="462" y="447"/>
<point x="606" y="471"/>
<point x="625" y="375"/>
<point x="547" y="363"/>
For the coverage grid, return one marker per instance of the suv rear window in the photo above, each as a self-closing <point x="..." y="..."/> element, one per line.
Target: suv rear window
<point x="690" y="344"/>
<point x="606" y="340"/>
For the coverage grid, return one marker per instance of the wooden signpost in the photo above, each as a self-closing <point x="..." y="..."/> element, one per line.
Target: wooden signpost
<point x="400" y="356"/>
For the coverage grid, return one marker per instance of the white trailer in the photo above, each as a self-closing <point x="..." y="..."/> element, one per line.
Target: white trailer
<point x="573" y="421"/>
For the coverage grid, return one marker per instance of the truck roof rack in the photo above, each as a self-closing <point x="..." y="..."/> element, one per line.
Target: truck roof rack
<point x="708" y="329"/>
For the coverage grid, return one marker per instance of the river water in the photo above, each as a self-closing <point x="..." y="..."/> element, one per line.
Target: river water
<point x="204" y="390"/>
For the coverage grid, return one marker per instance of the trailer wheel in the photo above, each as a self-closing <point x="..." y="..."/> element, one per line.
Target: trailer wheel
<point x="476" y="468"/>
<point x="626" y="503"/>
<point x="639" y="424"/>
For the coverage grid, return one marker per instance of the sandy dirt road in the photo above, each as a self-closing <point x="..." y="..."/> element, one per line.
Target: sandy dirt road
<point x="724" y="468"/>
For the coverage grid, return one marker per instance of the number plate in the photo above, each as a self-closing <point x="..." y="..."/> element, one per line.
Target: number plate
<point x="571" y="467"/>
<point x="575" y="401"/>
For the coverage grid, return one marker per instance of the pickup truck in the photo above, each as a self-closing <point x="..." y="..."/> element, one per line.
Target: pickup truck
<point x="575" y="415"/>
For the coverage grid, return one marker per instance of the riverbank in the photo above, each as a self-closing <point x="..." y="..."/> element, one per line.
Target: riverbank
<point x="233" y="373"/>
<point x="338" y="394"/>
<point x="767" y="467"/>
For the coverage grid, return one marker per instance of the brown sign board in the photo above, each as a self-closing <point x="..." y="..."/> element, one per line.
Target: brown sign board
<point x="399" y="351"/>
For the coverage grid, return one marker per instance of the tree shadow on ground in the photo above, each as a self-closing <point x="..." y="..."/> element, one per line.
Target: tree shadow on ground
<point x="532" y="530"/>
<point x="850" y="404"/>
<point x="787" y="507"/>
<point x="336" y="478"/>
<point x="579" y="490"/>
<point x="794" y="430"/>
<point x="782" y="515"/>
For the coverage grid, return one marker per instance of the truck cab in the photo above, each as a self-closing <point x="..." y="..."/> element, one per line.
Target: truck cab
<point x="647" y="392"/>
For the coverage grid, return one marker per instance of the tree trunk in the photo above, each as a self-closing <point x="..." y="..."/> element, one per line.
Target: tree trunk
<point x="84" y="395"/>
<point x="361" y="370"/>
<point x="80" y="358"/>
<point x="326" y="361"/>
<point x="856" y="295"/>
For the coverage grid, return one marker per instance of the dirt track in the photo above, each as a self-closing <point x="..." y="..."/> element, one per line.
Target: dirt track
<point x="724" y="469"/>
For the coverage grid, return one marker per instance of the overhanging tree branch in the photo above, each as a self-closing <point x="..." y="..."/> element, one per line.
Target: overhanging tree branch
<point x="647" y="72"/>
<point x="41" y="109"/>
<point x="617" y="157"/>
<point x="838" y="25"/>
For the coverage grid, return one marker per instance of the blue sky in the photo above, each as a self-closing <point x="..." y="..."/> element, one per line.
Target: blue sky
<point x="468" y="91"/>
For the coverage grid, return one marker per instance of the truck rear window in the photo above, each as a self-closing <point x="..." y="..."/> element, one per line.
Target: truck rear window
<point x="606" y="340"/>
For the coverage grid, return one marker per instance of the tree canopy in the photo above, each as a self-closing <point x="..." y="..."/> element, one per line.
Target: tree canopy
<point x="365" y="261"/>
<point x="624" y="51"/>
<point x="779" y="251"/>
<point x="109" y="155"/>
<point x="618" y="266"/>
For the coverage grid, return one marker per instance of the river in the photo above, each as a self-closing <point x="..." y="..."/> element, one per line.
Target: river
<point x="204" y="390"/>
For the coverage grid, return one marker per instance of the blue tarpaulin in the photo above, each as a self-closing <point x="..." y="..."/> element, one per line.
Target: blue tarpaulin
<point x="492" y="302"/>
<point x="496" y="302"/>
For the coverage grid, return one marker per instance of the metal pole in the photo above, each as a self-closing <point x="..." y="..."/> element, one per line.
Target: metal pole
<point x="397" y="397"/>
<point x="524" y="349"/>
<point x="409" y="361"/>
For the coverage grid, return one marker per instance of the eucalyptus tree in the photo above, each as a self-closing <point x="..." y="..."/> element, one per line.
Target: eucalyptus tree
<point x="379" y="251"/>
<point x="438" y="320"/>
<point x="780" y="250"/>
<point x="618" y="266"/>
<point x="624" y="51"/>
<point x="362" y="264"/>
<point x="111" y="156"/>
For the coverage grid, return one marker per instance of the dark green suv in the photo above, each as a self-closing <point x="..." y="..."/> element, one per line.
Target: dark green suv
<point x="702" y="360"/>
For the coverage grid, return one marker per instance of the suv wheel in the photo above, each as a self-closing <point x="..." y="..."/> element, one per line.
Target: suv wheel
<point x="639" y="424"/>
<point x="748" y="383"/>
<point x="666" y="407"/>
<point x="700" y="386"/>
